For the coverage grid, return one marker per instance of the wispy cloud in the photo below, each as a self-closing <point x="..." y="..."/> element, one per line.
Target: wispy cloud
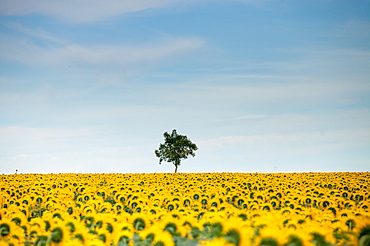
<point x="244" y="118"/>
<point x="297" y="90"/>
<point x="49" y="50"/>
<point x="25" y="52"/>
<point x="27" y="140"/>
<point x="34" y="32"/>
<point x="344" y="138"/>
<point x="78" y="11"/>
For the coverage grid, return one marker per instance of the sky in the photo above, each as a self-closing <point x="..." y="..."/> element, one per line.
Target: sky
<point x="260" y="86"/>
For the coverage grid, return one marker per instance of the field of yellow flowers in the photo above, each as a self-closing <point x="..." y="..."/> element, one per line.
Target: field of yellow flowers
<point x="185" y="209"/>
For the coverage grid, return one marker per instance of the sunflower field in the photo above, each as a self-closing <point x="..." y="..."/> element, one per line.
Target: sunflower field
<point x="185" y="209"/>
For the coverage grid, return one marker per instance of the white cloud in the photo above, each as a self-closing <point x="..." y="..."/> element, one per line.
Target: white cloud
<point x="343" y="137"/>
<point x="80" y="10"/>
<point x="25" y="52"/>
<point x="35" y="32"/>
<point x="116" y="60"/>
<point x="131" y="159"/>
<point x="243" y="118"/>
<point x="342" y="150"/>
<point x="281" y="90"/>
<point x="27" y="140"/>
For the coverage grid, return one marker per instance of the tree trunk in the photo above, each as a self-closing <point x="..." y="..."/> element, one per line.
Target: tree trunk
<point x="176" y="168"/>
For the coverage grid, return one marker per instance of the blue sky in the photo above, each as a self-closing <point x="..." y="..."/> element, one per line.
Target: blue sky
<point x="259" y="86"/>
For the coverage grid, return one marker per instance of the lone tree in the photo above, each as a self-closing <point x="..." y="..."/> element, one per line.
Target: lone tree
<point x="175" y="148"/>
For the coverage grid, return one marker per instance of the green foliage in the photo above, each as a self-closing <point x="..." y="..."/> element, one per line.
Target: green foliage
<point x="175" y="148"/>
<point x="57" y="235"/>
<point x="139" y="224"/>
<point x="233" y="237"/>
<point x="294" y="241"/>
<point x="364" y="238"/>
<point x="269" y="241"/>
<point x="4" y="230"/>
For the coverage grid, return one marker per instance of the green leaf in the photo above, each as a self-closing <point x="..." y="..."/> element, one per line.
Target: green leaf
<point x="139" y="224"/>
<point x="364" y="240"/>
<point x="171" y="228"/>
<point x="233" y="236"/>
<point x="4" y="230"/>
<point x="269" y="241"/>
<point x="294" y="241"/>
<point x="56" y="235"/>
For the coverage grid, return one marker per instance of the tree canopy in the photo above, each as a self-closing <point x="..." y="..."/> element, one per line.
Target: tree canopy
<point x="175" y="148"/>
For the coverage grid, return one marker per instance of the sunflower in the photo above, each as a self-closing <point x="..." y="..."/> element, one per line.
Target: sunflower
<point x="123" y="236"/>
<point x="10" y="232"/>
<point x="274" y="232"/>
<point x="163" y="237"/>
<point x="362" y="230"/>
<point x="216" y="242"/>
